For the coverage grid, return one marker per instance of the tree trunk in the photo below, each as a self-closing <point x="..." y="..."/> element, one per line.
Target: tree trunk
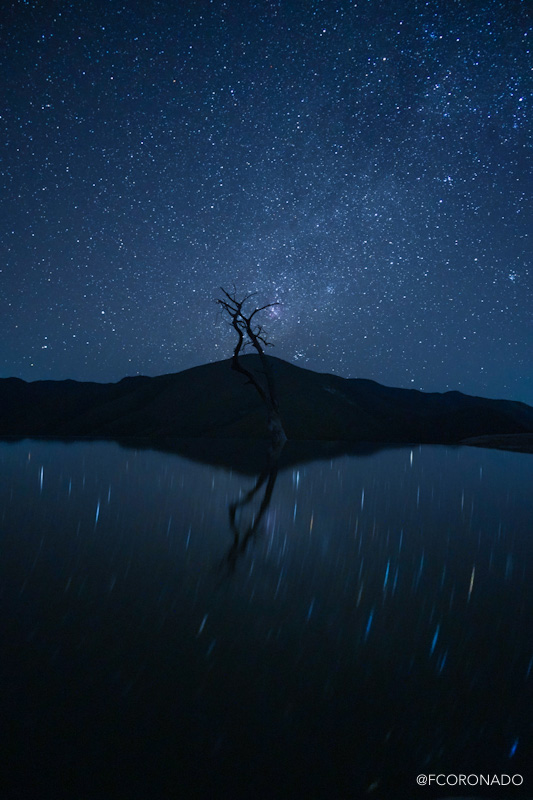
<point x="275" y="428"/>
<point x="274" y="423"/>
<point x="247" y="334"/>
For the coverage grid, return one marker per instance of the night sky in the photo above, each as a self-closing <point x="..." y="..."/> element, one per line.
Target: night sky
<point x="365" y="164"/>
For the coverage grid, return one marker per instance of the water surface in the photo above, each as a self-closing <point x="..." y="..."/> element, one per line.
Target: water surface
<point x="361" y="620"/>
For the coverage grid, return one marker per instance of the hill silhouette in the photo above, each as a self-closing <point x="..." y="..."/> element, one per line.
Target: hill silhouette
<point x="213" y="402"/>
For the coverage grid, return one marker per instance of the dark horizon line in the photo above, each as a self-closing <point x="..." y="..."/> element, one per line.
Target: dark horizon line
<point x="140" y="375"/>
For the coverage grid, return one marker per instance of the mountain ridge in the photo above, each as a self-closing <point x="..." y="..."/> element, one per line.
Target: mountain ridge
<point x="212" y="401"/>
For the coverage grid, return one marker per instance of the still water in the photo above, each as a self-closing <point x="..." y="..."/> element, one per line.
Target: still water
<point x="356" y="621"/>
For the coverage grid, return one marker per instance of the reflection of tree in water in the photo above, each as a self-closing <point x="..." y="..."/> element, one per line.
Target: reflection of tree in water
<point x="243" y="534"/>
<point x="244" y="530"/>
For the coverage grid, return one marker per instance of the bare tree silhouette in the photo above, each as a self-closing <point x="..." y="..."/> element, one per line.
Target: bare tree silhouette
<point x="250" y="333"/>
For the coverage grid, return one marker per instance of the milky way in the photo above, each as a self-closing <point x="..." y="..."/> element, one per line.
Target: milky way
<point x="367" y="165"/>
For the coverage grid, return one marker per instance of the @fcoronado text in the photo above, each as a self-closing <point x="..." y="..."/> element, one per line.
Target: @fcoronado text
<point x="469" y="780"/>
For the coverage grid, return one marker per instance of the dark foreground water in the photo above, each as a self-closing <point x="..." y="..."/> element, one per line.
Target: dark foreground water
<point x="354" y="623"/>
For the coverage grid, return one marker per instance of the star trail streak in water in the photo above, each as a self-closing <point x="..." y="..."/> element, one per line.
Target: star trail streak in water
<point x="331" y="635"/>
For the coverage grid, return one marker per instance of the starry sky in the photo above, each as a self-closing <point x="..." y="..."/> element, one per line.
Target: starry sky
<point x="365" y="164"/>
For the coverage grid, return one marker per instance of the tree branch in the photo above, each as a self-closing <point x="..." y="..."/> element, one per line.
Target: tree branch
<point x="247" y="335"/>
